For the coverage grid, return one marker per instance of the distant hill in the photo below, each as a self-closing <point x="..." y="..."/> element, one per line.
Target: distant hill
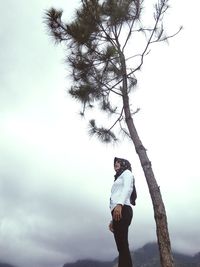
<point x="147" y="256"/>
<point x="5" y="265"/>
<point x="89" y="263"/>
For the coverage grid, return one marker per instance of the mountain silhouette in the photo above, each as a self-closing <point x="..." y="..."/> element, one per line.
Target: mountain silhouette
<point x="147" y="256"/>
<point x="6" y="265"/>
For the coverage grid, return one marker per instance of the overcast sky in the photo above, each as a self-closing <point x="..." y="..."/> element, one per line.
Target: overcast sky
<point x="55" y="180"/>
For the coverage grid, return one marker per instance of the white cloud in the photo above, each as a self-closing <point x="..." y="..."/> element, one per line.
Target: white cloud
<point x="55" y="181"/>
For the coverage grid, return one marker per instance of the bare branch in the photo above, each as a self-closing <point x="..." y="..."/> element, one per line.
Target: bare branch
<point x="167" y="37"/>
<point x="118" y="119"/>
<point x="129" y="35"/>
<point x="120" y="28"/>
<point x="159" y="12"/>
<point x="137" y="110"/>
<point x="124" y="130"/>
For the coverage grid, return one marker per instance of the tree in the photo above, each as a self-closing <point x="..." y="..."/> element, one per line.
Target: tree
<point x="103" y="71"/>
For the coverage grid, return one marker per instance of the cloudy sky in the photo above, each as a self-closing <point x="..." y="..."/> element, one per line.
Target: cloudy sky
<point x="55" y="180"/>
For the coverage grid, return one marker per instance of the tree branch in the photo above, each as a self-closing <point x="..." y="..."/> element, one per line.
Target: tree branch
<point x="167" y="37"/>
<point x="129" y="35"/>
<point x="159" y="12"/>
<point x="118" y="119"/>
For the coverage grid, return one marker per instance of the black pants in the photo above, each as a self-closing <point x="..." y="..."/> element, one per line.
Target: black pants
<point x="121" y="236"/>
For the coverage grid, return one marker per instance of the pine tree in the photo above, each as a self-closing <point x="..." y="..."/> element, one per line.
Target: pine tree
<point x="103" y="71"/>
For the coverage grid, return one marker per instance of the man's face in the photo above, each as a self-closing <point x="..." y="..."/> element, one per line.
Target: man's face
<point x="117" y="166"/>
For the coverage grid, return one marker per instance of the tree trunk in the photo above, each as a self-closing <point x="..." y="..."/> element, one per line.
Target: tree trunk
<point x="166" y="258"/>
<point x="160" y="216"/>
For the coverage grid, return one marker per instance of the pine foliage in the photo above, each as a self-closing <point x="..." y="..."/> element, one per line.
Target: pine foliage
<point x="96" y="40"/>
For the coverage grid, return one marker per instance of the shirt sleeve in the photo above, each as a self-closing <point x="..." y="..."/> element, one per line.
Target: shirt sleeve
<point x="127" y="186"/>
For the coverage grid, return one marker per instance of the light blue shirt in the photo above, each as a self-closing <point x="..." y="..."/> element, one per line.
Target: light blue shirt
<point x="122" y="189"/>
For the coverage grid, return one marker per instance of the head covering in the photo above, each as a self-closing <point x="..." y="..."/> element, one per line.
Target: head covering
<point x="124" y="165"/>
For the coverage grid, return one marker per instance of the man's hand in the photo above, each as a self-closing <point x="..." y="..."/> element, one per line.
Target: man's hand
<point x="117" y="213"/>
<point x="111" y="227"/>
